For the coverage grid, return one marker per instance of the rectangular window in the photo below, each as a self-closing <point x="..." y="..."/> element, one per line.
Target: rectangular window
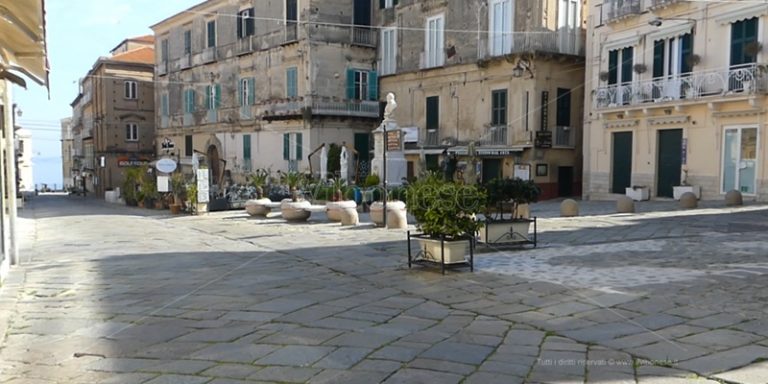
<point x="187" y="42"/>
<point x="213" y="97"/>
<point x="245" y="23"/>
<point x="164" y="50"/>
<point x="434" y="41"/>
<point x="388" y="51"/>
<point x="740" y="160"/>
<point x="292" y="82"/>
<point x="672" y="56"/>
<point x="292" y="146"/>
<point x="132" y="132"/>
<point x="499" y="107"/>
<point x="387" y="3"/>
<point x="291" y="11"/>
<point x="246" y="91"/>
<point x="211" y="28"/>
<point x="433" y="113"/>
<point x="188" y="149"/>
<point x="501" y="25"/>
<point x="620" y="62"/>
<point x="189" y="101"/>
<point x="361" y="85"/>
<point x="744" y="43"/>
<point x="247" y="148"/>
<point x="164" y="105"/>
<point x="563" y="118"/>
<point x="131" y="90"/>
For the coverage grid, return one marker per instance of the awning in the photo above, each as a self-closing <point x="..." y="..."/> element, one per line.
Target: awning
<point x="23" y="48"/>
<point x="742" y="14"/>
<point x="671" y="31"/>
<point x="620" y="43"/>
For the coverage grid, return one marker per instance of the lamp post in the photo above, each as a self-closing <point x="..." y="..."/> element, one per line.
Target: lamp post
<point x="384" y="170"/>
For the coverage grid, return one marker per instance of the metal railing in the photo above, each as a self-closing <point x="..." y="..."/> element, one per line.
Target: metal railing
<point x="184" y="62"/>
<point x="209" y="55"/>
<point x="619" y="9"/>
<point x="291" y="32"/>
<point x="662" y="3"/>
<point x="244" y="45"/>
<point x="495" y="135"/>
<point x="737" y="80"/>
<point x="359" y="108"/>
<point x="432" y="138"/>
<point x="564" y="137"/>
<point x="564" y="41"/>
<point x="364" y="36"/>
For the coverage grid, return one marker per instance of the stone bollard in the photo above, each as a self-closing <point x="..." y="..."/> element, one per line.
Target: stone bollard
<point x="349" y="216"/>
<point x="397" y="217"/>
<point x="688" y="200"/>
<point x="733" y="199"/>
<point x="569" y="208"/>
<point x="625" y="204"/>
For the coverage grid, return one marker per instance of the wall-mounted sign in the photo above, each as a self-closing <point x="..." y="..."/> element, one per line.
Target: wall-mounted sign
<point x="393" y="140"/>
<point x="523" y="171"/>
<point x="165" y="165"/>
<point x="684" y="150"/>
<point x="163" y="184"/>
<point x="203" y="186"/>
<point x="125" y="161"/>
<point x="543" y="139"/>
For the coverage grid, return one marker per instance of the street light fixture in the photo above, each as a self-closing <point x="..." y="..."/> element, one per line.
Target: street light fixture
<point x="658" y="21"/>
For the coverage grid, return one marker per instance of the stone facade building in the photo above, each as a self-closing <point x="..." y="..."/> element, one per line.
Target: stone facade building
<point x="262" y="84"/>
<point x="677" y="98"/>
<point x="113" y="116"/>
<point x="505" y="75"/>
<point x="67" y="152"/>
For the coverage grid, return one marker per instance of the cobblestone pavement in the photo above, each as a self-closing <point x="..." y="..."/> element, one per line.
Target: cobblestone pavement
<point x="122" y="295"/>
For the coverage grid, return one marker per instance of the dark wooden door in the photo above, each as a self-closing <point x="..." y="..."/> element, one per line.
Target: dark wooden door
<point x="621" y="164"/>
<point x="491" y="169"/>
<point x="669" y="161"/>
<point x="564" y="181"/>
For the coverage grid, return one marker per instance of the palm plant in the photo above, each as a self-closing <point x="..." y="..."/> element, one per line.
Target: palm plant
<point x="258" y="180"/>
<point x="292" y="180"/>
<point x="338" y="186"/>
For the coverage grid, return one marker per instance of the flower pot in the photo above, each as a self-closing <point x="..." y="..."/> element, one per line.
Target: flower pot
<point x="638" y="193"/>
<point x="455" y="250"/>
<point x="295" y="210"/>
<point x="175" y="209"/>
<point x="159" y="204"/>
<point x="258" y="207"/>
<point x="680" y="189"/>
<point x="506" y="231"/>
<point x="336" y="208"/>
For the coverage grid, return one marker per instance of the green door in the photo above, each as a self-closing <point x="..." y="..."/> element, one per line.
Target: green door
<point x="491" y="169"/>
<point x="669" y="161"/>
<point x="363" y="148"/>
<point x="621" y="164"/>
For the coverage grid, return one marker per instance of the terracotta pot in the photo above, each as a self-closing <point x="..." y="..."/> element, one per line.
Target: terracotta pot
<point x="175" y="209"/>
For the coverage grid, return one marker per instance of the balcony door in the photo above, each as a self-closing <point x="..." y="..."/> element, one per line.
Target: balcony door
<point x="568" y="25"/>
<point x="501" y="25"/>
<point x="620" y="63"/>
<point x="671" y="65"/>
<point x="744" y="49"/>
<point x="621" y="164"/>
<point x="669" y="161"/>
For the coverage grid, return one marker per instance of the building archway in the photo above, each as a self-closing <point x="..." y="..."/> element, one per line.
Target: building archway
<point x="214" y="163"/>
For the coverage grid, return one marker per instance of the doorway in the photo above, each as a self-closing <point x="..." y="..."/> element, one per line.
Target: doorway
<point x="564" y="181"/>
<point x="363" y="148"/>
<point x="214" y="164"/>
<point x="669" y="161"/>
<point x="621" y="164"/>
<point x="491" y="169"/>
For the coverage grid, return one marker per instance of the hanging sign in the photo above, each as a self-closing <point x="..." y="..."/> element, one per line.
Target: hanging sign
<point x="165" y="165"/>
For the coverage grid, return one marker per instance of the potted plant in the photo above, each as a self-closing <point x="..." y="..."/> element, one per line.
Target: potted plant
<point x="177" y="189"/>
<point x="259" y="206"/>
<point x="640" y="68"/>
<point x="604" y="76"/>
<point x="130" y="185"/>
<point x="445" y="214"/>
<point x="191" y="197"/>
<point x="295" y="208"/>
<point x="638" y="192"/>
<point x="337" y="205"/>
<point x="510" y="197"/>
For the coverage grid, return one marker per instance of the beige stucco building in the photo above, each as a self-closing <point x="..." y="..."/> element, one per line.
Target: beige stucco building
<point x="676" y="95"/>
<point x="503" y="74"/>
<point x="113" y="116"/>
<point x="67" y="152"/>
<point x="262" y="84"/>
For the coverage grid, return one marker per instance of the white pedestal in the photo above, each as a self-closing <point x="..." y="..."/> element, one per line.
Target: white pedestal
<point x="638" y="194"/>
<point x="679" y="190"/>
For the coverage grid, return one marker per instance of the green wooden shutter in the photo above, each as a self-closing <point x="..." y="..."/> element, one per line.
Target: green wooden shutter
<point x="286" y="146"/>
<point x="658" y="58"/>
<point x="192" y="100"/>
<point x="350" y="83"/>
<point x="251" y="91"/>
<point x="299" y="146"/>
<point x="686" y="43"/>
<point x="373" y="85"/>
<point x="217" y="96"/>
<point x="240" y="87"/>
<point x="239" y="21"/>
<point x="247" y="147"/>
<point x="613" y="67"/>
<point x="627" y="56"/>
<point x="292" y="84"/>
<point x="207" y="97"/>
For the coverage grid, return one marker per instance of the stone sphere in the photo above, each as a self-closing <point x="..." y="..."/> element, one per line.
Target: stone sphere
<point x="625" y="204"/>
<point x="733" y="198"/>
<point x="349" y="216"/>
<point x="397" y="217"/>
<point x="569" y="208"/>
<point x="688" y="200"/>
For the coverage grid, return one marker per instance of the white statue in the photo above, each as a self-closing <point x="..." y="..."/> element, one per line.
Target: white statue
<point x="324" y="162"/>
<point x="344" y="162"/>
<point x="391" y="106"/>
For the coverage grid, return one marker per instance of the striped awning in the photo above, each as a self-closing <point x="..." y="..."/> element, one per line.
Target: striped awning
<point x="23" y="47"/>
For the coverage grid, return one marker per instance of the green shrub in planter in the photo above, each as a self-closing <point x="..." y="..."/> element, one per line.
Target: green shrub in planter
<point x="445" y="208"/>
<point x="515" y="191"/>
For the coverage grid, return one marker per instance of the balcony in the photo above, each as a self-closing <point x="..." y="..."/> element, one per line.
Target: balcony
<point x="657" y="4"/>
<point x="209" y="55"/>
<point x="162" y="68"/>
<point x="323" y="106"/>
<point x="184" y="62"/>
<point x="564" y="41"/>
<point x="246" y="112"/>
<point x="342" y="34"/>
<point x="522" y="138"/>
<point x="740" y="80"/>
<point x="621" y="9"/>
<point x="244" y="45"/>
<point x="432" y="138"/>
<point x="495" y="135"/>
<point x="212" y="116"/>
<point x="291" y="32"/>
<point x="564" y="137"/>
<point x="364" y="36"/>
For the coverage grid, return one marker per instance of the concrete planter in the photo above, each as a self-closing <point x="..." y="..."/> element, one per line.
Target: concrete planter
<point x="679" y="190"/>
<point x="295" y="210"/>
<point x="335" y="209"/>
<point x="258" y="207"/>
<point x="508" y="232"/>
<point x="455" y="251"/>
<point x="393" y="208"/>
<point x="639" y="193"/>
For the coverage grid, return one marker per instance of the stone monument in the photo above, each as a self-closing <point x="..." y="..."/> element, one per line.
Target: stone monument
<point x="396" y="163"/>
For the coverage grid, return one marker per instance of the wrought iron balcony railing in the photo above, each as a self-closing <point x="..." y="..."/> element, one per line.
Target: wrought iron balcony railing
<point x="564" y="137"/>
<point x="564" y="41"/>
<point x="737" y="80"/>
<point x="495" y="135"/>
<point x="620" y="9"/>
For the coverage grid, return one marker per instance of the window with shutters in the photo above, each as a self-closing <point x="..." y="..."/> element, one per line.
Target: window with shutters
<point x="499" y="107"/>
<point x="620" y="65"/>
<point x="563" y="105"/>
<point x="388" y="51"/>
<point x="187" y="42"/>
<point x="211" y="33"/>
<point x="362" y="84"/>
<point x="164" y="51"/>
<point x="131" y="90"/>
<point x="293" y="146"/>
<point x="247" y="90"/>
<point x="744" y="42"/>
<point x="387" y="3"/>
<point x="433" y="113"/>
<point x="247" y="152"/>
<point x="501" y="16"/>
<point x="246" y="23"/>
<point x="434" y="42"/>
<point x="672" y="56"/>
<point x="132" y="132"/>
<point x="164" y="111"/>
<point x="292" y="82"/>
<point x="213" y="97"/>
<point x="189" y="101"/>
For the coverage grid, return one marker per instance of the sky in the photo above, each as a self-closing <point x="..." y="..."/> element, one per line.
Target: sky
<point x="78" y="33"/>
